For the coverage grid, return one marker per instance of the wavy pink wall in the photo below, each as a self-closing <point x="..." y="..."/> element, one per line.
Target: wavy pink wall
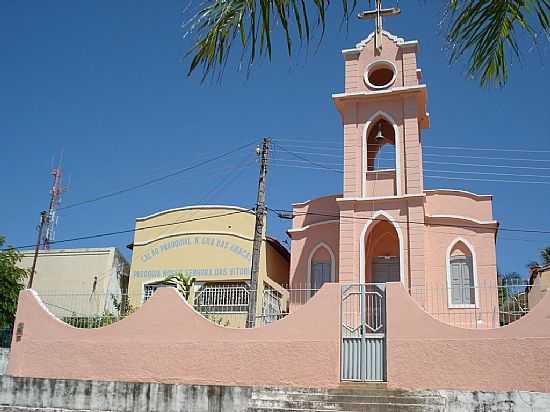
<point x="425" y="353"/>
<point x="167" y="341"/>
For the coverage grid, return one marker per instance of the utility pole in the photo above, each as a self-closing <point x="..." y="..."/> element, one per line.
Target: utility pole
<point x="258" y="234"/>
<point x="43" y="215"/>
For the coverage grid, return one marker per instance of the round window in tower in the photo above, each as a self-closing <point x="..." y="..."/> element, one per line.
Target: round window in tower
<point x="380" y="74"/>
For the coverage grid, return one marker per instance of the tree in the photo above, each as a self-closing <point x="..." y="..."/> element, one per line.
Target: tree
<point x="184" y="284"/>
<point x="12" y="280"/>
<point x="545" y="256"/>
<point x="512" y="297"/>
<point x="544" y="259"/>
<point x="484" y="32"/>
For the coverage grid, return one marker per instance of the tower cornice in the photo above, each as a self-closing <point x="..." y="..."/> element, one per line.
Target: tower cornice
<point x="342" y="99"/>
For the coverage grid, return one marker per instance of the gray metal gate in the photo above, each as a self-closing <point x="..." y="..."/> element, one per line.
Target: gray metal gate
<point x="363" y="347"/>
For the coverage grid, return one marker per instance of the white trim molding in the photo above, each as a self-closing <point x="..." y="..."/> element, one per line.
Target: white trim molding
<point x="463" y="218"/>
<point x="332" y="263"/>
<point x="359" y="199"/>
<point x="474" y="269"/>
<point x="178" y="209"/>
<point x="304" y="228"/>
<point x="380" y="114"/>
<point x="399" y="41"/>
<point x="457" y="192"/>
<point x="307" y="202"/>
<point x="362" y="244"/>
<point x="415" y="88"/>
<point x="375" y="65"/>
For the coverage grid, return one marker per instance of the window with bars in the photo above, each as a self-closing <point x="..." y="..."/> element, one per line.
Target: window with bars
<point x="462" y="287"/>
<point x="271" y="310"/>
<point x="222" y="297"/>
<point x="148" y="290"/>
<point x="320" y="274"/>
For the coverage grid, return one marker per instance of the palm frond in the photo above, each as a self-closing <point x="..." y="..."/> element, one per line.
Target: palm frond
<point x="487" y="31"/>
<point x="219" y="24"/>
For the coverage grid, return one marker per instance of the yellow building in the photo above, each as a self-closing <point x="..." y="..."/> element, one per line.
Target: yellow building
<point x="213" y="244"/>
<point x="539" y="285"/>
<point x="78" y="282"/>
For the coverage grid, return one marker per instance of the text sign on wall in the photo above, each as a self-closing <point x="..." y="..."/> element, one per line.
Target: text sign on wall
<point x="206" y="241"/>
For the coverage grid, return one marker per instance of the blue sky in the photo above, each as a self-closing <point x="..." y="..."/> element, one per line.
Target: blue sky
<point x="105" y="83"/>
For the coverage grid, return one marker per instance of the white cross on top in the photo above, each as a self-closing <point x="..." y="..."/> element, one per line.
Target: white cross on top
<point x="377" y="14"/>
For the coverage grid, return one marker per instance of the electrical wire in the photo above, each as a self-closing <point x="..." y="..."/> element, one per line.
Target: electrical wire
<point x="119" y="232"/>
<point x="281" y="161"/>
<point x="325" y="214"/>
<point x="340" y="171"/>
<point x="470" y="148"/>
<point x="157" y="179"/>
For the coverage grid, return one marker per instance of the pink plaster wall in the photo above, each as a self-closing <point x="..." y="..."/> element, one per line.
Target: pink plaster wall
<point x="167" y="341"/>
<point x="459" y="203"/>
<point x="424" y="353"/>
<point x="404" y="59"/>
<point x="304" y="243"/>
<point x="380" y="183"/>
<point x="315" y="210"/>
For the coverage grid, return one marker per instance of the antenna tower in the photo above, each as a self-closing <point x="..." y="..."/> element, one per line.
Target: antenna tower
<point x="48" y="235"/>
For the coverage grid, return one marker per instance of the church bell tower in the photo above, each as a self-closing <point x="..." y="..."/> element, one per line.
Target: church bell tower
<point x="383" y="103"/>
<point x="383" y="111"/>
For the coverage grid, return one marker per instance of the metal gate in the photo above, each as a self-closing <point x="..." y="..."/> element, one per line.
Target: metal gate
<point x="363" y="348"/>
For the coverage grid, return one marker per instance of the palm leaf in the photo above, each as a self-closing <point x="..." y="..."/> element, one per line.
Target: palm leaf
<point x="217" y="25"/>
<point x="486" y="31"/>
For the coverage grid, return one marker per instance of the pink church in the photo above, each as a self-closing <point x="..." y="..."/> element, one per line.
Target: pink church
<point x="386" y="227"/>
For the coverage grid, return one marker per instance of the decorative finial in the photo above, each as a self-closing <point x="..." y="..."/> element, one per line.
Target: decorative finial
<point x="377" y="15"/>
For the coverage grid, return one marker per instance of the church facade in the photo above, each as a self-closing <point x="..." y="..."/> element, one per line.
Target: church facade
<point x="385" y="226"/>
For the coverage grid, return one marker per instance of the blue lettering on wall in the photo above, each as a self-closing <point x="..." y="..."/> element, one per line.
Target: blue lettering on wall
<point x="208" y="241"/>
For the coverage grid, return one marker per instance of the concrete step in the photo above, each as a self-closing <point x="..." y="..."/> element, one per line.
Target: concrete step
<point x="352" y="398"/>
<point x="327" y="405"/>
<point x="357" y="408"/>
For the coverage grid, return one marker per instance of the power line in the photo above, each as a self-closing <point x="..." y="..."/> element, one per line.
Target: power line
<point x="281" y="161"/>
<point x="492" y="149"/>
<point x="502" y="166"/>
<point x="223" y="183"/>
<point x="314" y="154"/>
<point x="300" y="157"/>
<point x="157" y="179"/>
<point x="119" y="232"/>
<point x="511" y="159"/>
<point x="485" y="165"/>
<point x="340" y="171"/>
<point x="519" y="230"/>
<point x="290" y="142"/>
<point x="487" y="180"/>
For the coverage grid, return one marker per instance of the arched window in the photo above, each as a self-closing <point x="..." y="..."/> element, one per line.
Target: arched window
<point x="381" y="146"/>
<point x="461" y="276"/>
<point x="321" y="266"/>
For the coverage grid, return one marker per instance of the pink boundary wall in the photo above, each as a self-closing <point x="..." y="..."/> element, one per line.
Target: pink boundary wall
<point x="425" y="353"/>
<point x="167" y="341"/>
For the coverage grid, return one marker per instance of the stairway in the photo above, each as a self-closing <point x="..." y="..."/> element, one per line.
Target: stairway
<point x="348" y="397"/>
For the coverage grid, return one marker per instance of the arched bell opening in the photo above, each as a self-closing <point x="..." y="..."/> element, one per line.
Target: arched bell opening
<point x="381" y="146"/>
<point x="382" y="253"/>
<point x="380" y="159"/>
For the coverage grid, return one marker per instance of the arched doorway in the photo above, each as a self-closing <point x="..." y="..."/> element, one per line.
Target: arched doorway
<point x="382" y="261"/>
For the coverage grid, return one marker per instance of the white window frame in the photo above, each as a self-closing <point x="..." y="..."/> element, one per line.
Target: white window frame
<point x="221" y="288"/>
<point x="450" y="303"/>
<point x="156" y="286"/>
<point x="310" y="261"/>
